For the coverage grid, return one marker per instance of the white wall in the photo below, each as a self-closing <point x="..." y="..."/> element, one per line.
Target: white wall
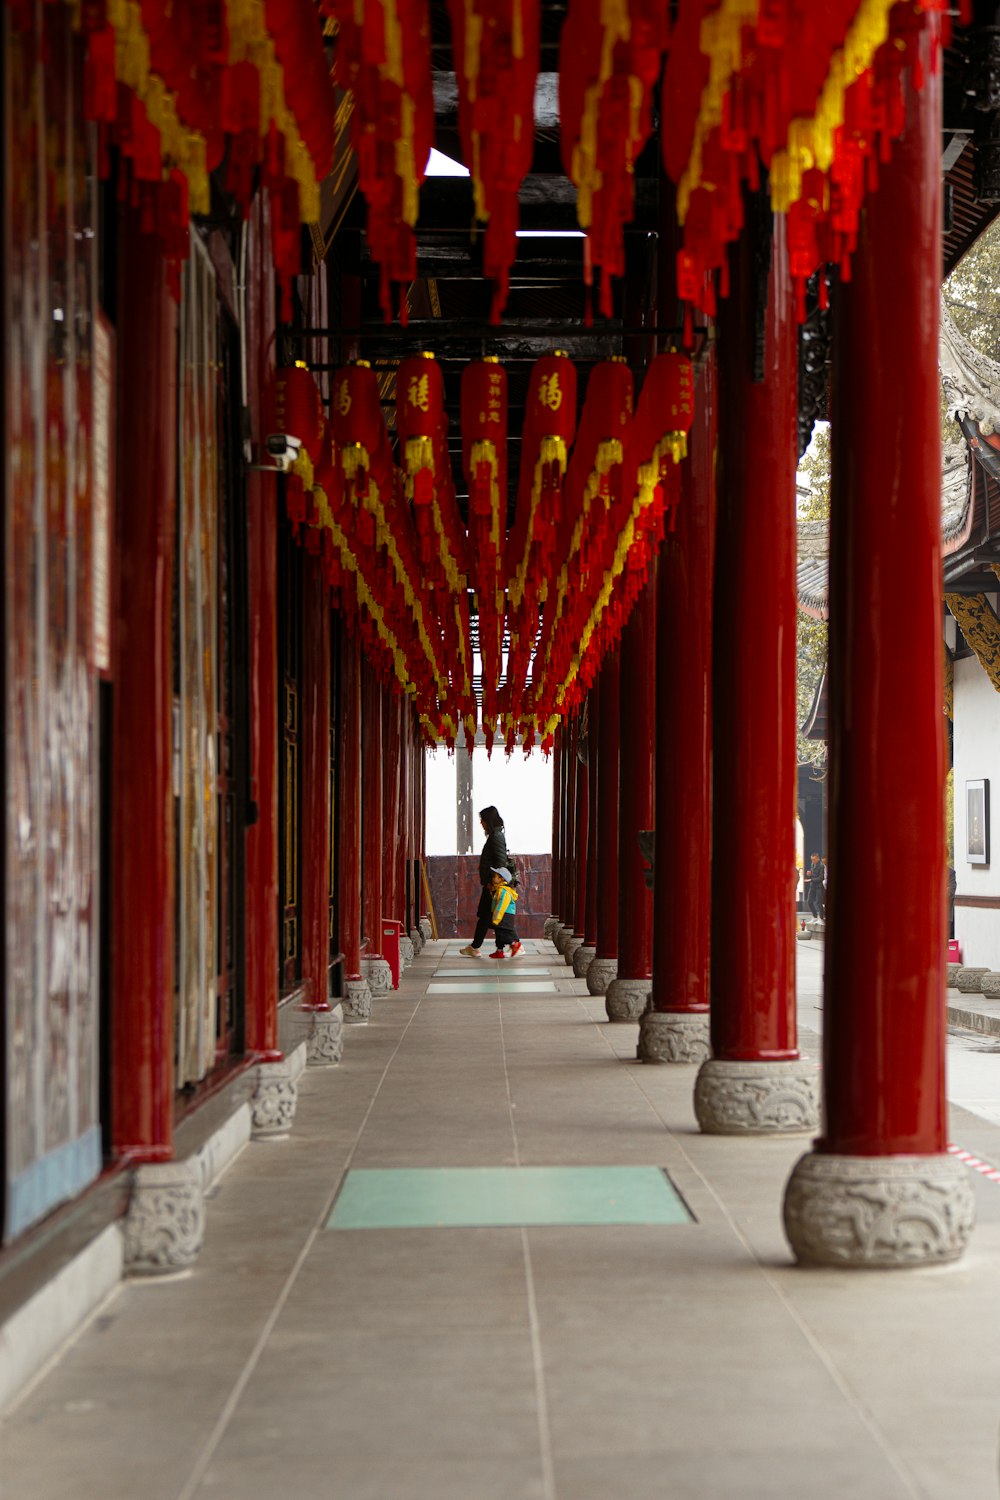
<point x="441" y="831"/>
<point x="521" y="788"/>
<point x="977" y="754"/>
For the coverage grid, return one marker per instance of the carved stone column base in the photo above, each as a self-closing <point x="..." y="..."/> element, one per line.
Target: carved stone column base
<point x="561" y="937"/>
<point x="582" y="960"/>
<point x="573" y="942"/>
<point x="872" y="1211"/>
<point x="417" y="939"/>
<point x="378" y="975"/>
<point x="276" y="1093"/>
<point x="323" y="1033"/>
<point x="600" y="975"/>
<point x="756" y="1098"/>
<point x="673" y="1037"/>
<point x="425" y="928"/>
<point x="549" y="926"/>
<point x="357" y="1002"/>
<point x="405" y="951"/>
<point x="165" y="1224"/>
<point x="625" y="999"/>
<point x="803" y="934"/>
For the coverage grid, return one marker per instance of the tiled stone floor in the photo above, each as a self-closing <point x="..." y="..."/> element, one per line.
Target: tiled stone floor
<point x="562" y="1362"/>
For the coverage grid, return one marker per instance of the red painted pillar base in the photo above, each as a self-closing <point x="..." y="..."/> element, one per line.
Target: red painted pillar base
<point x="626" y="995"/>
<point x="754" y="1082"/>
<point x="604" y="967"/>
<point x="675" y="1028"/>
<point x="879" y="1189"/>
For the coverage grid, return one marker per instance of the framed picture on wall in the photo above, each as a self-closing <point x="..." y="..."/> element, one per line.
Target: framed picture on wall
<point x="977" y="821"/>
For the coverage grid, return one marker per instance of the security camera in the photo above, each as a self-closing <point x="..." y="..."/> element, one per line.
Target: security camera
<point x="284" y="448"/>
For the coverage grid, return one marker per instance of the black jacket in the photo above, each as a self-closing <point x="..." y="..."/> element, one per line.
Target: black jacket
<point x="493" y="856"/>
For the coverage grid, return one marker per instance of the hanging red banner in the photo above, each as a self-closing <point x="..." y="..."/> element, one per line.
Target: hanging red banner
<point x="495" y="46"/>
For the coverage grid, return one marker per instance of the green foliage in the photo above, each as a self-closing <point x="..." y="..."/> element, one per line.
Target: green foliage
<point x="814" y="475"/>
<point x="972" y="293"/>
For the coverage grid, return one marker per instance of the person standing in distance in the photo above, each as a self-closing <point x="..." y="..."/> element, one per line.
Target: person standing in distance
<point x="493" y="857"/>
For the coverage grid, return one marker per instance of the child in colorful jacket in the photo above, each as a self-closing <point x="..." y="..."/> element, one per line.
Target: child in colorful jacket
<point x="504" y="911"/>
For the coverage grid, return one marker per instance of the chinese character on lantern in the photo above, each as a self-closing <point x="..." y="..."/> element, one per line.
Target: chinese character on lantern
<point x="344" y="398"/>
<point x="550" y="392"/>
<point x="418" y="392"/>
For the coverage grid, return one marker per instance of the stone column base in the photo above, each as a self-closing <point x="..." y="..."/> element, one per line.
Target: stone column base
<point x="357" y="1002"/>
<point x="165" y="1224"/>
<point x="600" y="975"/>
<point x="425" y="928"/>
<point x="378" y="975"/>
<point x="673" y="1037"/>
<point x="406" y="954"/>
<point x="756" y="1098"/>
<point x="573" y="942"/>
<point x="625" y="999"/>
<point x="582" y="959"/>
<point x="323" y="1033"/>
<point x="871" y="1211"/>
<point x="561" y="937"/>
<point x="549" y="926"/>
<point x="276" y="1093"/>
<point x="417" y="939"/>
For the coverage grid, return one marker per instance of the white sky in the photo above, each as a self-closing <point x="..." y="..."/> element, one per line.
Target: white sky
<point x="521" y="788"/>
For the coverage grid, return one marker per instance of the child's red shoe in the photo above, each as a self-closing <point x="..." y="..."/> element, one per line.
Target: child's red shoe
<point x="516" y="949"/>
<point x="498" y="954"/>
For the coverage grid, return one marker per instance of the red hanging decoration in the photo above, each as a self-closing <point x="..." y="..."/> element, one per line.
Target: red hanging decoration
<point x="495" y="46"/>
<point x="484" y="460"/>
<point x="383" y="58"/>
<point x="609" y="62"/>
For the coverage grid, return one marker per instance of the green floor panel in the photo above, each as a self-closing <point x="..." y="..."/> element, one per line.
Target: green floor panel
<point x="481" y="1197"/>
<point x="476" y="973"/>
<point x="500" y="984"/>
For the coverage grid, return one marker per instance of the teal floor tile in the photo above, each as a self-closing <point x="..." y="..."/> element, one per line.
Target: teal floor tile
<point x="507" y="984"/>
<point x="478" y="1197"/>
<point x="474" y="973"/>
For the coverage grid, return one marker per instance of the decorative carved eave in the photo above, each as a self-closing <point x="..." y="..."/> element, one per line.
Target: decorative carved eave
<point x="978" y="622"/>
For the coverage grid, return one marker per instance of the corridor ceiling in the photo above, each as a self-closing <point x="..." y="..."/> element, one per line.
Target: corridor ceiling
<point x="631" y="143"/>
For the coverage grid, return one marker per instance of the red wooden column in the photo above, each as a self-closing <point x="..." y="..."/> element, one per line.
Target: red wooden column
<point x="605" y="964"/>
<point x="675" y="1028"/>
<point x="262" y="947"/>
<point x="879" y="1188"/>
<point x="550" y="920"/>
<point x="358" y="996"/>
<point x="626" y="995"/>
<point x="373" y="964"/>
<point x="315" y="772"/>
<point x="564" y="932"/>
<point x="584" y="955"/>
<point x="392" y="900"/>
<point x="755" y="1081"/>
<point x="142" y="833"/>
<point x="324" y="1022"/>
<point x="581" y="833"/>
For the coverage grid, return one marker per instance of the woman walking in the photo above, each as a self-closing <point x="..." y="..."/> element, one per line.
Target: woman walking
<point x="493" y="857"/>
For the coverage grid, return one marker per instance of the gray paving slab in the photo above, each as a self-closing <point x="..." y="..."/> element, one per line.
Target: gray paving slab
<point x="555" y="1363"/>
